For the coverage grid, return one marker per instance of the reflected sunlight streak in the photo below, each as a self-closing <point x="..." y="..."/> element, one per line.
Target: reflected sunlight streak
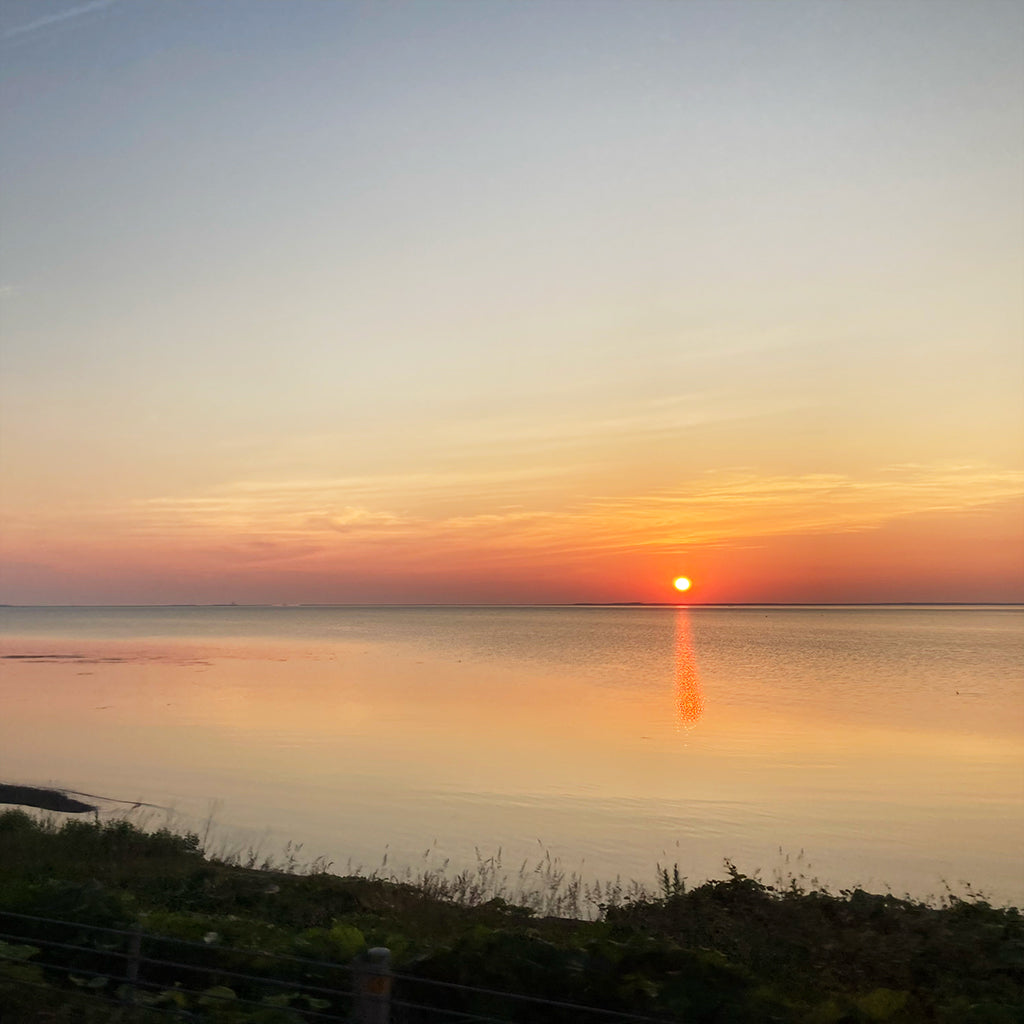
<point x="689" y="696"/>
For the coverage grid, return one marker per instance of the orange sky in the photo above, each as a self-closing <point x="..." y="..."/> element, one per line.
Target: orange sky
<point x="326" y="306"/>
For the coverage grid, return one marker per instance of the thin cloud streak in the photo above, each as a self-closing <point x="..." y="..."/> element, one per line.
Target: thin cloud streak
<point x="749" y="506"/>
<point x="53" y="19"/>
<point x="305" y="520"/>
<point x="577" y="435"/>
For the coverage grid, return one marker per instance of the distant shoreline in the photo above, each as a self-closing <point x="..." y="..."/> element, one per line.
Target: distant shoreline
<point x="574" y="604"/>
<point x="43" y="799"/>
<point x="49" y="799"/>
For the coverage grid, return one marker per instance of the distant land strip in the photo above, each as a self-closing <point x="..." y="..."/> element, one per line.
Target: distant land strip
<point x="683" y="603"/>
<point x="45" y="799"/>
<point x="58" y="799"/>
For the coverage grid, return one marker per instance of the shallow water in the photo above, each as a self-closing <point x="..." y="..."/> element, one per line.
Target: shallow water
<point x="886" y="744"/>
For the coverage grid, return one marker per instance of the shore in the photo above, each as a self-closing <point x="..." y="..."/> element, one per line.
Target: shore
<point x="735" y="949"/>
<point x="43" y="799"/>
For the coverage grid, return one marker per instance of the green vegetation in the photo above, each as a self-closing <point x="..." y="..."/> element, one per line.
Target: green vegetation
<point x="736" y="950"/>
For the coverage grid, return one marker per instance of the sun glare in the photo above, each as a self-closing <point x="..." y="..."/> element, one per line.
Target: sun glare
<point x="681" y="583"/>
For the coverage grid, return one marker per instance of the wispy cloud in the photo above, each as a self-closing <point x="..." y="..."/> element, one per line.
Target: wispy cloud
<point x="310" y="522"/>
<point x="535" y="438"/>
<point x="748" y="505"/>
<point x="711" y="509"/>
<point x="639" y="422"/>
<point x="48" y="20"/>
<point x="350" y="519"/>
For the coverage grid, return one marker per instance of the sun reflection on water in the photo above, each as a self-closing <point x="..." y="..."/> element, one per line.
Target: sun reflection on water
<point x="689" y="697"/>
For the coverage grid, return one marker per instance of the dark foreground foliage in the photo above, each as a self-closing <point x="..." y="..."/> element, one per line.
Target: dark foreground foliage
<point x="727" y="951"/>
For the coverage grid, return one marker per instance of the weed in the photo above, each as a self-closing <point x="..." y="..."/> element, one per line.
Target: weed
<point x="736" y="949"/>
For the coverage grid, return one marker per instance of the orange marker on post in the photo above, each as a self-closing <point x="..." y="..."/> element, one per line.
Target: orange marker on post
<point x="373" y="986"/>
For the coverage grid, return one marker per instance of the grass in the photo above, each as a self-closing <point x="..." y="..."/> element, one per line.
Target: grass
<point x="543" y="887"/>
<point x="733" y="950"/>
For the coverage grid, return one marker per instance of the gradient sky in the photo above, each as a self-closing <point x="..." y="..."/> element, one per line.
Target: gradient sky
<point x="511" y="302"/>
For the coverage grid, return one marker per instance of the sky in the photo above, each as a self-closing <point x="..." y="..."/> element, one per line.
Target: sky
<point x="511" y="302"/>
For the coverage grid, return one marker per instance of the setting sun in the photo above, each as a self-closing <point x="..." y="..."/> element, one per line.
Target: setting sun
<point x="681" y="583"/>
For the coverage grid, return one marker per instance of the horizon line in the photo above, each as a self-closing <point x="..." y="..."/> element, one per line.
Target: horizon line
<point x="537" y="604"/>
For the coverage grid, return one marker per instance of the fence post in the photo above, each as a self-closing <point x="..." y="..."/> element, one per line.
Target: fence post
<point x="132" y="966"/>
<point x="372" y="975"/>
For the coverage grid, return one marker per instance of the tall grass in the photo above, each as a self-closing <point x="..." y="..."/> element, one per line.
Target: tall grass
<point x="542" y="887"/>
<point x="711" y="952"/>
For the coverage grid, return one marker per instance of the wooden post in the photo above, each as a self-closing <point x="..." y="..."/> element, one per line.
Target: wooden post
<point x="132" y="966"/>
<point x="372" y="976"/>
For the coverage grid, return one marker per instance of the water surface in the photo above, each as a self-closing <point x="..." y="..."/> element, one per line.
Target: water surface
<point x="886" y="744"/>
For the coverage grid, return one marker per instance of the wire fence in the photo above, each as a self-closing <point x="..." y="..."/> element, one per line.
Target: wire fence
<point x="137" y="976"/>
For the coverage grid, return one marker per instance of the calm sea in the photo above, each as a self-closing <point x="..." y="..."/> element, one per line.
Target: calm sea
<point x="879" y="746"/>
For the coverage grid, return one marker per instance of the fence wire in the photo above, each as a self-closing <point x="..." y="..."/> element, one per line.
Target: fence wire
<point x="136" y="983"/>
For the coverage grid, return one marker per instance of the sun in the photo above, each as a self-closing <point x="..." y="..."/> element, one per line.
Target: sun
<point x="681" y="583"/>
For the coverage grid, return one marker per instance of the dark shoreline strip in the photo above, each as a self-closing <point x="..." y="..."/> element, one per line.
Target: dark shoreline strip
<point x="40" y="657"/>
<point x="44" y="799"/>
